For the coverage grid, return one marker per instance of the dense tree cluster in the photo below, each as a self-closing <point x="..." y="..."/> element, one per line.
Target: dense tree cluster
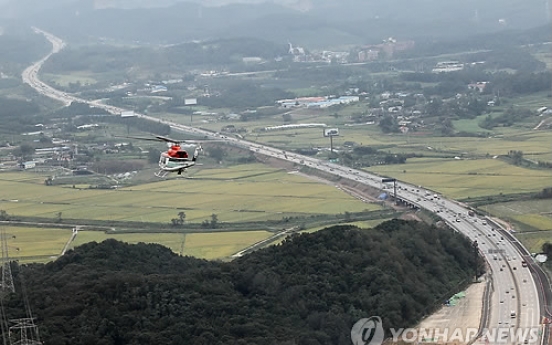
<point x="142" y="124"/>
<point x="364" y="156"/>
<point x="308" y="290"/>
<point x="501" y="83"/>
<point x="78" y="109"/>
<point x="102" y="58"/>
<point x="225" y="51"/>
<point x="245" y="95"/>
<point x="507" y="118"/>
<point x="546" y="193"/>
<point x="491" y="44"/>
<point x="520" y="83"/>
<point x="20" y="48"/>
<point x="18" y="115"/>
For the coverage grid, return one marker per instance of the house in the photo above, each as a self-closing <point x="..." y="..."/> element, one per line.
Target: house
<point x="28" y="165"/>
<point x="479" y="86"/>
<point x="158" y="88"/>
<point x="252" y="59"/>
<point x="394" y="109"/>
<point x="128" y="114"/>
<point x="448" y="66"/>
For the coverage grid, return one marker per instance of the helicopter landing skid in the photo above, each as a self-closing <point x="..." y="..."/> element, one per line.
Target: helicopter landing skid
<point x="161" y="173"/>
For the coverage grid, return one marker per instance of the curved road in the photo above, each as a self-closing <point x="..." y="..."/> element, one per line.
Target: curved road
<point x="516" y="301"/>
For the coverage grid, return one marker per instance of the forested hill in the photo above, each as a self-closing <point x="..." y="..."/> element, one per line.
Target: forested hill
<point x="310" y="289"/>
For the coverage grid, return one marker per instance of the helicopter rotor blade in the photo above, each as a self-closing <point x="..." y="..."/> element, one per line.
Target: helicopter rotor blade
<point x="169" y="140"/>
<point x="139" y="138"/>
<point x="154" y="138"/>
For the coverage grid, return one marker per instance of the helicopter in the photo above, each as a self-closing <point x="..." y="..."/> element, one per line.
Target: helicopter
<point x="175" y="159"/>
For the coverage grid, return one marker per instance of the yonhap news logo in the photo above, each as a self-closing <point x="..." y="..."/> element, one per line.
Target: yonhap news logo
<point x="368" y="331"/>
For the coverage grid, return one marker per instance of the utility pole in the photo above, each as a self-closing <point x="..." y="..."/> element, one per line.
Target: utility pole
<point x="476" y="257"/>
<point x="24" y="331"/>
<point x="27" y="330"/>
<point x="7" y="278"/>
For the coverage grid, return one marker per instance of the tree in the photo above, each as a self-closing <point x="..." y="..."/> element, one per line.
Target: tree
<point x="516" y="156"/>
<point x="218" y="153"/>
<point x="181" y="217"/>
<point x="26" y="151"/>
<point x="180" y="220"/>
<point x="547" y="249"/>
<point x="4" y="215"/>
<point x="312" y="286"/>
<point x="347" y="215"/>
<point x="214" y="221"/>
<point x="447" y="127"/>
<point x="153" y="155"/>
<point x="388" y="125"/>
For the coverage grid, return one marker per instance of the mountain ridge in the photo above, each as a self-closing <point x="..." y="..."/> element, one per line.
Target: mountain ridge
<point x="325" y="23"/>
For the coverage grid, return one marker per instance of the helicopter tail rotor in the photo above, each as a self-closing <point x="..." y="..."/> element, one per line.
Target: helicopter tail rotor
<point x="198" y="149"/>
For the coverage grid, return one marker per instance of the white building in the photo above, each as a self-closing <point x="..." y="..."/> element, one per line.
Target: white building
<point x="448" y="66"/>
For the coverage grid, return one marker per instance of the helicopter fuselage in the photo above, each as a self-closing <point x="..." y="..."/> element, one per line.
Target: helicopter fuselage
<point x="171" y="163"/>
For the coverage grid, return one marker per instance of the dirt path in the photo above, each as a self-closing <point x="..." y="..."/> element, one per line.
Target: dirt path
<point x="464" y="314"/>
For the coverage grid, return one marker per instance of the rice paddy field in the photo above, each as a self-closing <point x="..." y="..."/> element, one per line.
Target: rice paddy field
<point x="205" y="246"/>
<point x="256" y="192"/>
<point x="28" y="244"/>
<point x="531" y="219"/>
<point x="241" y="193"/>
<point x="465" y="178"/>
<point x="534" y="241"/>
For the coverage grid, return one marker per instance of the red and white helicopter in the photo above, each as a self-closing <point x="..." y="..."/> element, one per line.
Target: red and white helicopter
<point x="175" y="159"/>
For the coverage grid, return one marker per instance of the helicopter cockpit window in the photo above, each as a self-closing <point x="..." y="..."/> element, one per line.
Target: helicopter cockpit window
<point x="182" y="154"/>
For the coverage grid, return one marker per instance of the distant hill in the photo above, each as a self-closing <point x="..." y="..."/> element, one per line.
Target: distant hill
<point x="310" y="289"/>
<point x="328" y="22"/>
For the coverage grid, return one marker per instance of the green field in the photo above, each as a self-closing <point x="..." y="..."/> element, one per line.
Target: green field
<point x="257" y="193"/>
<point x="531" y="219"/>
<point x="470" y="125"/>
<point x="27" y="244"/>
<point x="534" y="241"/>
<point x="533" y="215"/>
<point x="35" y="244"/>
<point x="532" y="101"/>
<point x="205" y="246"/>
<point x="83" y="77"/>
<point x="240" y="193"/>
<point x="460" y="179"/>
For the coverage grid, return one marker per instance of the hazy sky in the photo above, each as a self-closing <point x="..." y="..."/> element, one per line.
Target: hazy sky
<point x="297" y="4"/>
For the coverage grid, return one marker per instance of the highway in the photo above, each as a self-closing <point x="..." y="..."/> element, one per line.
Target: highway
<point x="516" y="297"/>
